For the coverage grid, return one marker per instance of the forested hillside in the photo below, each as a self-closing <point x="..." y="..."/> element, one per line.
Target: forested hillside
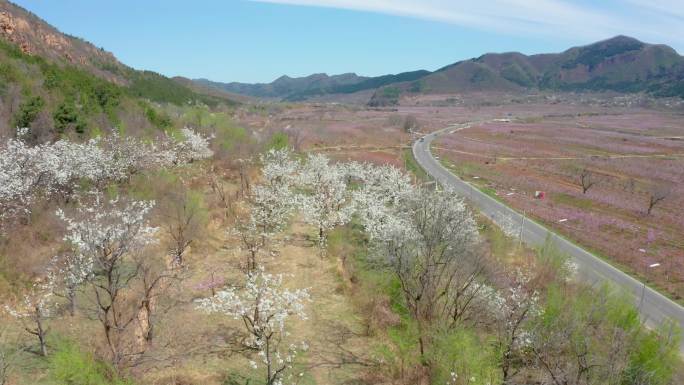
<point x="60" y="85"/>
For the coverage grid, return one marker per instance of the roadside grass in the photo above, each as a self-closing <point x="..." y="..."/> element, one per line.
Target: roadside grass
<point x="466" y="172"/>
<point x="573" y="201"/>
<point x="412" y="166"/>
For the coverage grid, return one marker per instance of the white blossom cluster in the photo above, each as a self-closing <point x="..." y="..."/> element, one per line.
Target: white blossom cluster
<point x="100" y="233"/>
<point x="264" y="306"/>
<point x="514" y="304"/>
<point x="193" y="147"/>
<point x="263" y="301"/>
<point x="509" y="226"/>
<point x="38" y="303"/>
<point x="66" y="274"/>
<point x="380" y="198"/>
<point x="18" y="177"/>
<point x="274" y="201"/>
<point x="28" y="172"/>
<point x="271" y="207"/>
<point x="328" y="194"/>
<point x="326" y="201"/>
<point x="279" y="167"/>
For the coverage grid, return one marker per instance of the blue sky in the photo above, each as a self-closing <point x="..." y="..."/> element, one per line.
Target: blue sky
<point x="257" y="41"/>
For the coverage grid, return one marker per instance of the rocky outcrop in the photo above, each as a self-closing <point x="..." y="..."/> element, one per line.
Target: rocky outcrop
<point x="35" y="37"/>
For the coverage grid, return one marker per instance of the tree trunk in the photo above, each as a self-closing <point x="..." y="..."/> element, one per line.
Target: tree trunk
<point x="71" y="297"/>
<point x="41" y="338"/>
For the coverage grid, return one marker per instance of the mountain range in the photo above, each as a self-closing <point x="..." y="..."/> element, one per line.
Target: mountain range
<point x="296" y="89"/>
<point x="621" y="64"/>
<point x="43" y="72"/>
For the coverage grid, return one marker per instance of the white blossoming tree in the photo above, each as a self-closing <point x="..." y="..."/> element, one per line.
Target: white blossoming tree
<point x="33" y="313"/>
<point x="512" y="308"/>
<point x="264" y="307"/>
<point x="279" y="168"/>
<point x="380" y="199"/>
<point x="268" y="215"/>
<point x="270" y="204"/>
<point x="19" y="178"/>
<point x="55" y="169"/>
<point x="193" y="147"/>
<point x="326" y="202"/>
<point x="109" y="234"/>
<point x="67" y="273"/>
<point x="433" y="256"/>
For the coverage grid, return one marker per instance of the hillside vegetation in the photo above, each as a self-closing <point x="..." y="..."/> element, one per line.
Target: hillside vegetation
<point x="60" y="85"/>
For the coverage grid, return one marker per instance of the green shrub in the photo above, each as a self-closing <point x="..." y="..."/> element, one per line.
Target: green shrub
<point x="465" y="354"/>
<point x="157" y="119"/>
<point x="9" y="72"/>
<point x="68" y="365"/>
<point x="66" y="117"/>
<point x="278" y="141"/>
<point x="553" y="262"/>
<point x="655" y="357"/>
<point x="591" y="323"/>
<point x="28" y="111"/>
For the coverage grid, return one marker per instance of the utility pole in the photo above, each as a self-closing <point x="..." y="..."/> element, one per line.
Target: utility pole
<point x="643" y="285"/>
<point x="522" y="229"/>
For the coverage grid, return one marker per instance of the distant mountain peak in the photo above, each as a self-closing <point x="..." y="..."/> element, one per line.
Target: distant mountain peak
<point x="620" y="63"/>
<point x="621" y="39"/>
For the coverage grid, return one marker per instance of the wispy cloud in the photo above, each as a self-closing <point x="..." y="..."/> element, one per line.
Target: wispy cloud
<point x="651" y="20"/>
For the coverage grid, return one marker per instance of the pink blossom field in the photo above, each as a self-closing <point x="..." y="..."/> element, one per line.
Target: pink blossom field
<point x="630" y="157"/>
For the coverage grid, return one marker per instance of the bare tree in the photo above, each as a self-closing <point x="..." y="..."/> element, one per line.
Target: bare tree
<point x="184" y="219"/>
<point x="295" y="137"/>
<point x="244" y="178"/>
<point x="6" y="358"/>
<point x="587" y="179"/>
<point x="657" y="194"/>
<point x="410" y="123"/>
<point x="155" y="281"/>
<point x="630" y="185"/>
<point x="253" y="240"/>
<point x="219" y="190"/>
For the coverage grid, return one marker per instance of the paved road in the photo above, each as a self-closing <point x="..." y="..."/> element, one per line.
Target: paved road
<point x="655" y="308"/>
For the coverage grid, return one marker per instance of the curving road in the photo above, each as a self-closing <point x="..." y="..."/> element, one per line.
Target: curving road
<point x="654" y="307"/>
